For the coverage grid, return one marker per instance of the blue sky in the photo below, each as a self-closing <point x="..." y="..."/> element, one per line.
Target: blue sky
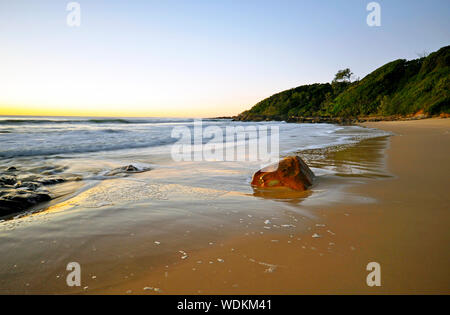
<point x="196" y="58"/>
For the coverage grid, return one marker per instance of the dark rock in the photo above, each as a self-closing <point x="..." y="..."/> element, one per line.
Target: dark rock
<point x="27" y="177"/>
<point x="28" y="185"/>
<point x="5" y="191"/>
<point x="22" y="190"/>
<point x="51" y="180"/>
<point x="126" y="169"/>
<point x="18" y="200"/>
<point x="54" y="171"/>
<point x="131" y="168"/>
<point x="7" y="180"/>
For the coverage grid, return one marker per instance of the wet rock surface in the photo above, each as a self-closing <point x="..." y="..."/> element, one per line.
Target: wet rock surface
<point x="22" y="189"/>
<point x="291" y="172"/>
<point x="12" y="202"/>
<point x="126" y="170"/>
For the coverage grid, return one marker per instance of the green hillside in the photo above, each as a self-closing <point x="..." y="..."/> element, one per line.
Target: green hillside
<point x="400" y="87"/>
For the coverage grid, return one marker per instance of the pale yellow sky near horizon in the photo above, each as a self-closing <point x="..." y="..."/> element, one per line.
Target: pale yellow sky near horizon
<point x="48" y="103"/>
<point x="115" y="111"/>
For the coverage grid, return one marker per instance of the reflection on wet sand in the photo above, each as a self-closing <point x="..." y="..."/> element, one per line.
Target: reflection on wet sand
<point x="281" y="193"/>
<point x="366" y="159"/>
<point x="124" y="229"/>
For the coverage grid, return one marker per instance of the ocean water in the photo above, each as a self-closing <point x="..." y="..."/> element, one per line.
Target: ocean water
<point x="123" y="224"/>
<point x="86" y="151"/>
<point x="73" y="136"/>
<point x="89" y="148"/>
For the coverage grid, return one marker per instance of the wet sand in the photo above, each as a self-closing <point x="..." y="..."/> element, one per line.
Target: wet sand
<point x="405" y="230"/>
<point x="199" y="228"/>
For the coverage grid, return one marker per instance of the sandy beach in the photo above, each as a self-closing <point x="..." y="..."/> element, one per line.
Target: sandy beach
<point x="199" y="227"/>
<point x="406" y="230"/>
<point x="187" y="150"/>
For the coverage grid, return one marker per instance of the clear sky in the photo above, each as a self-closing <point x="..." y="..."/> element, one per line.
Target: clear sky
<point x="197" y="58"/>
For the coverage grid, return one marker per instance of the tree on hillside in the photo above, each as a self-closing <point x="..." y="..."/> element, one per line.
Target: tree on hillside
<point x="343" y="76"/>
<point x="423" y="54"/>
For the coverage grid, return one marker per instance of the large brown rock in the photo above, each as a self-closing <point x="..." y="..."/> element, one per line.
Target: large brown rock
<point x="291" y="172"/>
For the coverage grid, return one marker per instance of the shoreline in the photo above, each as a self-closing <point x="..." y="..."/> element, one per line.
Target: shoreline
<point x="337" y="120"/>
<point x="405" y="230"/>
<point x="169" y="231"/>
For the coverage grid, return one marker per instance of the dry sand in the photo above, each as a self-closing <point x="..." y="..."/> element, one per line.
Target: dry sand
<point x="406" y="231"/>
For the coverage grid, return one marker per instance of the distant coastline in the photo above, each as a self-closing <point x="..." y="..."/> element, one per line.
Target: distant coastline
<point x="333" y="120"/>
<point x="340" y="120"/>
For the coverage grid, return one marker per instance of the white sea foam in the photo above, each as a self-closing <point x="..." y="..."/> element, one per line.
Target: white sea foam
<point x="51" y="136"/>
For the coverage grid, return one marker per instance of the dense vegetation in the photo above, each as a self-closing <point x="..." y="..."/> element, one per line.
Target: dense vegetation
<point x="400" y="87"/>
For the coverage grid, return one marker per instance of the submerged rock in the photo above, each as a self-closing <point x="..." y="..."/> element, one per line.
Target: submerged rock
<point x="18" y="192"/>
<point x="27" y="185"/>
<point x="291" y="172"/>
<point x="13" y="201"/>
<point x="7" y="180"/>
<point x="126" y="169"/>
<point x="51" y="180"/>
